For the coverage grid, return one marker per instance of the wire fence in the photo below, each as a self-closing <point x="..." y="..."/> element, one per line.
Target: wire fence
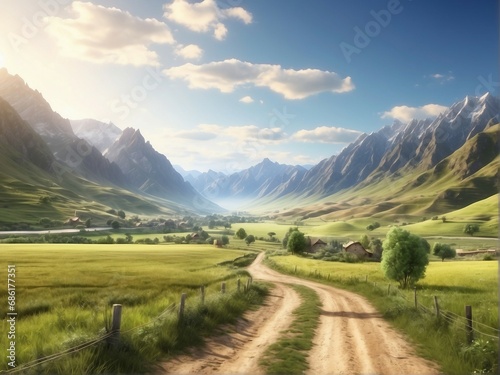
<point x="477" y="327"/>
<point x="106" y="337"/>
<point x="85" y="345"/>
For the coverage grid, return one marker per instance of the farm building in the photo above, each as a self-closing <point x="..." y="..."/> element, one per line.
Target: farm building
<point x="357" y="249"/>
<point x="217" y="243"/>
<point x="314" y="244"/>
<point x="73" y="221"/>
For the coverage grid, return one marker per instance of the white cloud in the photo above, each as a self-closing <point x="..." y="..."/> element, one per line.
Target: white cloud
<point x="443" y="78"/>
<point x="108" y="35"/>
<point x="246" y="99"/>
<point x="228" y="74"/>
<point x="254" y="133"/>
<point x="204" y="16"/>
<point x="189" y="52"/>
<point x="404" y="113"/>
<point x="326" y="134"/>
<point x="203" y="132"/>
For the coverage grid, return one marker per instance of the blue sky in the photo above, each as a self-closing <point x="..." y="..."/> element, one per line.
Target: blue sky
<point x="222" y="84"/>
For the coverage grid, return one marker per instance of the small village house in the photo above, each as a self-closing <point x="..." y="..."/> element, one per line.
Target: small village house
<point x="315" y="244"/>
<point x="357" y="249"/>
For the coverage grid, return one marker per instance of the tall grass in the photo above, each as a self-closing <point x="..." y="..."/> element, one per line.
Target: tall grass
<point x="64" y="296"/>
<point x="456" y="284"/>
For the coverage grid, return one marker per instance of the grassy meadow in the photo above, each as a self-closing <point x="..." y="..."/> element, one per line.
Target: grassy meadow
<point x="455" y="283"/>
<point x="64" y="295"/>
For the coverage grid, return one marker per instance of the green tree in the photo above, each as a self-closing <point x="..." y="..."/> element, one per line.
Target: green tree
<point x="250" y="239"/>
<point x="88" y="223"/>
<point x="404" y="258"/>
<point x="188" y="238"/>
<point x="364" y="241"/>
<point x="115" y="224"/>
<point x="225" y="240"/>
<point x="287" y="236"/>
<point x="271" y="235"/>
<point x="376" y="247"/>
<point x="443" y="251"/>
<point x="121" y="214"/>
<point x="241" y="233"/>
<point x="128" y="238"/>
<point x="297" y="242"/>
<point x="426" y="245"/>
<point x="45" y="222"/>
<point x="470" y="229"/>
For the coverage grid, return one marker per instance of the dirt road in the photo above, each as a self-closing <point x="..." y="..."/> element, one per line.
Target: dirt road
<point x="351" y="338"/>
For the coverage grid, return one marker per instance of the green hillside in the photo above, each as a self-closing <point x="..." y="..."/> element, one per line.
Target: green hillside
<point x="467" y="176"/>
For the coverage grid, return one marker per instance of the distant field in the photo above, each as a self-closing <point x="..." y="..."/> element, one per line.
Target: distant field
<point x="63" y="291"/>
<point x="352" y="230"/>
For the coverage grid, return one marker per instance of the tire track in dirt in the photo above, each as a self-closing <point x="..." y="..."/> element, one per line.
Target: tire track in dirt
<point x="239" y="350"/>
<point x="352" y="337"/>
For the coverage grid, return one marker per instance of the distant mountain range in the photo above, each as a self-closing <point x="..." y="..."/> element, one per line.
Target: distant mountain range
<point x="447" y="162"/>
<point x="390" y="154"/>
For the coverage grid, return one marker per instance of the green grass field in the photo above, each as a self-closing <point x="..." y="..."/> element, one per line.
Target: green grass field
<point x="64" y="294"/>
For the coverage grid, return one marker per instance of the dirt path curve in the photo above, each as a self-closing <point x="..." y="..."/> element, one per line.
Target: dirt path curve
<point x="351" y="338"/>
<point x="238" y="350"/>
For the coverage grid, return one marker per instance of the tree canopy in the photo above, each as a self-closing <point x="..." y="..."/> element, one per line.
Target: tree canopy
<point x="443" y="251"/>
<point x="250" y="239"/>
<point x="241" y="233"/>
<point x="297" y="242"/>
<point x="470" y="229"/>
<point x="404" y="257"/>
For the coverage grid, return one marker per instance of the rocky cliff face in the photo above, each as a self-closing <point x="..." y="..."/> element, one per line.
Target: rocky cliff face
<point x="152" y="173"/>
<point x="97" y="133"/>
<point x="20" y="141"/>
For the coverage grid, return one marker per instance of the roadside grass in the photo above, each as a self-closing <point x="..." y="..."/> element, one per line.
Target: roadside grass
<point x="64" y="295"/>
<point x="455" y="284"/>
<point x="290" y="353"/>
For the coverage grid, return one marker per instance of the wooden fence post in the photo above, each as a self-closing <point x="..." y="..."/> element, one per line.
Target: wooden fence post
<point x="181" y="307"/>
<point x="468" y="326"/>
<point x="415" y="297"/>
<point x="202" y="290"/>
<point x="366" y="278"/>
<point x="239" y="285"/>
<point x="223" y="288"/>
<point x="436" y="305"/>
<point x="295" y="270"/>
<point x="389" y="290"/>
<point x="248" y="284"/>
<point x="115" y="325"/>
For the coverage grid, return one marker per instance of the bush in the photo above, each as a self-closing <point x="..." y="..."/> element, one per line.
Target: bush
<point x="488" y="257"/>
